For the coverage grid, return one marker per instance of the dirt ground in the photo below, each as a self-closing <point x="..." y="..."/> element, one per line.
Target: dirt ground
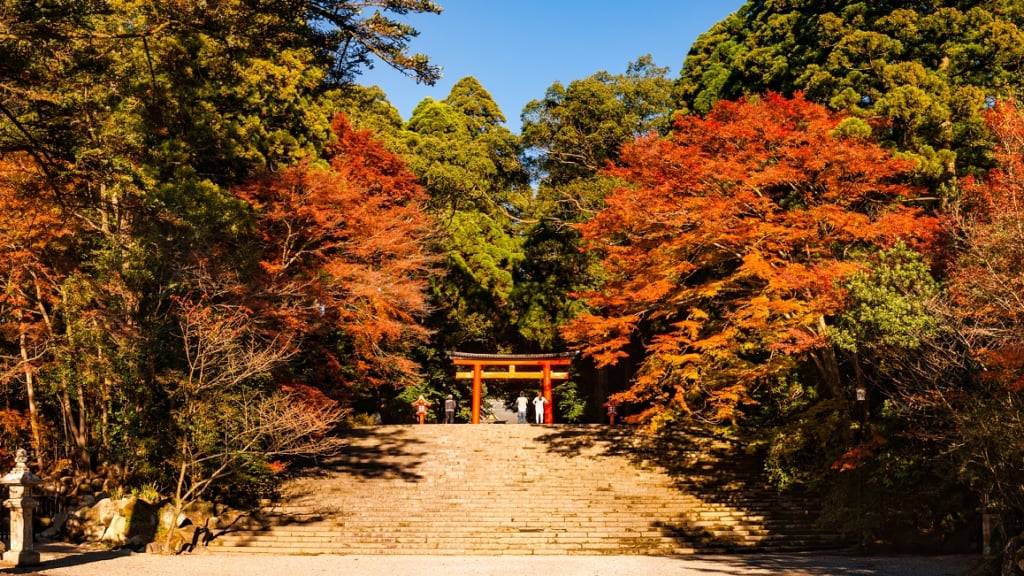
<point x="61" y="560"/>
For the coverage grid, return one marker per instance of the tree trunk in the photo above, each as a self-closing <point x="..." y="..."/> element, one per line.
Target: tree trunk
<point x="75" y="427"/>
<point x="828" y="366"/>
<point x="30" y="393"/>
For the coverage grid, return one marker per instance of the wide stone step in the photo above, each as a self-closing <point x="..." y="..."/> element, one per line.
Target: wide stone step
<point x="526" y="490"/>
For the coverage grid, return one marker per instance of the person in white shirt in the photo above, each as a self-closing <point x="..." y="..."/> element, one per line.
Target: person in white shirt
<point x="521" y="404"/>
<point x="538" y="407"/>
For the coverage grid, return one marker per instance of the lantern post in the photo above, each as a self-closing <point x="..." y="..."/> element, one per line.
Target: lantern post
<point x="20" y="502"/>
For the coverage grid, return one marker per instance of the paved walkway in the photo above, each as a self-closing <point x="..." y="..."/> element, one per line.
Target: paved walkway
<point x="61" y="560"/>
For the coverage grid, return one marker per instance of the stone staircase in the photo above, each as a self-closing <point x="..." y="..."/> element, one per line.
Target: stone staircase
<point x="527" y="489"/>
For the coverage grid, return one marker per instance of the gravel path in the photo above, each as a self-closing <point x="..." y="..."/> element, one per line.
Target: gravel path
<point x="67" y="561"/>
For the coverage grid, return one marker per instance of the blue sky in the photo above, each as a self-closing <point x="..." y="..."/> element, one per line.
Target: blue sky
<point x="518" y="48"/>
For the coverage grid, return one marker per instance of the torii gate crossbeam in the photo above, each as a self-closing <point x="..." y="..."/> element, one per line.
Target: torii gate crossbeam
<point x="506" y="365"/>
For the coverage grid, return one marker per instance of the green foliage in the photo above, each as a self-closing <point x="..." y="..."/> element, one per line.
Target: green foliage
<point x="575" y="130"/>
<point x="475" y="293"/>
<point x="889" y="304"/>
<point x="349" y="41"/>
<point x="880" y="485"/>
<point x="468" y="163"/>
<point x="147" y="492"/>
<point x="571" y="403"/>
<point x="894" y="490"/>
<point x="569" y="136"/>
<point x="554" y="270"/>
<point x="990" y="453"/>
<point x="479" y="111"/>
<point x="812" y="435"/>
<point x="922" y="73"/>
<point x="368" y="108"/>
<point x="853" y="128"/>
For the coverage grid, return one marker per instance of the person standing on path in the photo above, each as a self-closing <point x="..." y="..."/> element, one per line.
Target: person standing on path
<point x="449" y="410"/>
<point x="521" y="405"/>
<point x="538" y="407"/>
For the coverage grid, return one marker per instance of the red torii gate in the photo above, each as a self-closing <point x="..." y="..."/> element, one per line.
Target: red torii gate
<point x="509" y="362"/>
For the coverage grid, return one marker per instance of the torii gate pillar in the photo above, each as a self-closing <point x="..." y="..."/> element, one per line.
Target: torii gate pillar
<point x="549" y="408"/>
<point x="477" y="387"/>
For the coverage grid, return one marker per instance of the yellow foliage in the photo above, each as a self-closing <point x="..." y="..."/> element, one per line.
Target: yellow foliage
<point x="683" y="359"/>
<point x="756" y="266"/>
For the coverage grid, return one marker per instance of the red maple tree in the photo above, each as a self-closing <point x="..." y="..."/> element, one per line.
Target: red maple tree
<point x="725" y="245"/>
<point x="32" y="236"/>
<point x="986" y="283"/>
<point x="345" y="257"/>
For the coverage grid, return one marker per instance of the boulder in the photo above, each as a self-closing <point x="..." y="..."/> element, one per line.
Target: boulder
<point x="169" y="519"/>
<point x="109" y="521"/>
<point x="195" y="514"/>
<point x="179" y="541"/>
<point x="56" y="525"/>
<point x="1013" y="558"/>
<point x="116" y="532"/>
<point x="106" y="509"/>
<point x="85" y="524"/>
<point x="142" y="522"/>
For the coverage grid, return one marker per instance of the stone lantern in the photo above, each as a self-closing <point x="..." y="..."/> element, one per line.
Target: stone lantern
<point x="20" y="481"/>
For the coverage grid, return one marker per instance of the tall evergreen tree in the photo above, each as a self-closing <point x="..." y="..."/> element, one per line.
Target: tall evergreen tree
<point x="468" y="162"/>
<point x="922" y="73"/>
<point x="569" y="136"/>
